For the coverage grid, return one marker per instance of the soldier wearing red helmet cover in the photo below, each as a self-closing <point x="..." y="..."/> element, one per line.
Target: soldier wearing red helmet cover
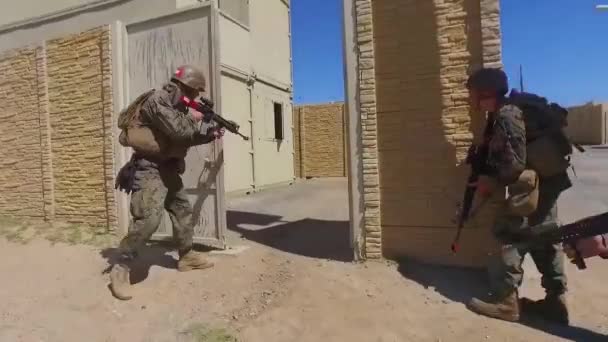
<point x="160" y="129"/>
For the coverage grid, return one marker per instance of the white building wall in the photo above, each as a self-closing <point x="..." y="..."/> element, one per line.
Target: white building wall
<point x="235" y="45"/>
<point x="260" y="52"/>
<point x="238" y="157"/>
<point x="270" y="30"/>
<point x="130" y="11"/>
<point x="27" y="9"/>
<point x="273" y="158"/>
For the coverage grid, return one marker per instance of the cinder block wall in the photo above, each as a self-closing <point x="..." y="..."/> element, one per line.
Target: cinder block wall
<point x="319" y="140"/>
<point x="587" y="124"/>
<point x="418" y="126"/>
<point x="56" y="153"/>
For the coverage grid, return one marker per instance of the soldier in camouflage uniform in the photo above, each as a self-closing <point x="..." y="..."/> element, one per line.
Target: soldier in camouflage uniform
<point x="160" y="130"/>
<point x="507" y="160"/>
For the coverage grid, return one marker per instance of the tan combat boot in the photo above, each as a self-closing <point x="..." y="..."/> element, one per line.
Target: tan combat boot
<point x="552" y="307"/>
<point x="505" y="308"/>
<point x="193" y="261"/>
<point x="120" y="284"/>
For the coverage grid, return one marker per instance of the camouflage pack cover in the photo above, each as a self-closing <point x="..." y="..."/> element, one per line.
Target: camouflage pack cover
<point x="133" y="134"/>
<point x="547" y="146"/>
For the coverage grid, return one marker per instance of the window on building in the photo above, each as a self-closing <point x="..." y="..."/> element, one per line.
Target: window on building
<point x="237" y="9"/>
<point x="278" y="121"/>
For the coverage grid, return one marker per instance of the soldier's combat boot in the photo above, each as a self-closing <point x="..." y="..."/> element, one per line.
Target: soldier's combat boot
<point x="505" y="308"/>
<point x="120" y="283"/>
<point x="192" y="260"/>
<point x="552" y="308"/>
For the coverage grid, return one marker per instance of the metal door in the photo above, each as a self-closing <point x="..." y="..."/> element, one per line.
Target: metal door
<point x="155" y="49"/>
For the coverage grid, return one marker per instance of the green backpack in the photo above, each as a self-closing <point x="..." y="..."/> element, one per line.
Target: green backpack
<point x="548" y="147"/>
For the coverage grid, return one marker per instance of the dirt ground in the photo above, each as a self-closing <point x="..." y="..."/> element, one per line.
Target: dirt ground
<point x="294" y="282"/>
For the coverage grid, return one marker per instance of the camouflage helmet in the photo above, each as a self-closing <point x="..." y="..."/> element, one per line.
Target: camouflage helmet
<point x="489" y="79"/>
<point x="190" y="76"/>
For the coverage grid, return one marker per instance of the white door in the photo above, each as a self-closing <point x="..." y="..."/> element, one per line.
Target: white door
<point x="155" y="49"/>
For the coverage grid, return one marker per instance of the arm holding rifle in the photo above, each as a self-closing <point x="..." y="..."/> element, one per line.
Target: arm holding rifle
<point x="582" y="239"/>
<point x="205" y="108"/>
<point x="496" y="163"/>
<point x="589" y="247"/>
<point x="205" y="136"/>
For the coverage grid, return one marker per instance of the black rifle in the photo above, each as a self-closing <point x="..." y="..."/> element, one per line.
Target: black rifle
<point x="476" y="158"/>
<point x="205" y="106"/>
<point x="568" y="234"/>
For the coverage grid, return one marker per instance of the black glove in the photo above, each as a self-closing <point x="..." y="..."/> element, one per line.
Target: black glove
<point x="125" y="180"/>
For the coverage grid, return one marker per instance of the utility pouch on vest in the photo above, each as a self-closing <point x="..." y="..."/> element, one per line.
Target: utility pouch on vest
<point x="545" y="157"/>
<point x="142" y="139"/>
<point x="132" y="133"/>
<point x="523" y="194"/>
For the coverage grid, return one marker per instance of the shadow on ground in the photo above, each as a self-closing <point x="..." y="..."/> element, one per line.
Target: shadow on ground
<point x="461" y="284"/>
<point x="153" y="255"/>
<point x="307" y="237"/>
<point x="458" y="284"/>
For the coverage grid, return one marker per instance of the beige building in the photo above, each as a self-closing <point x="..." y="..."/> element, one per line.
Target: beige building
<point x="319" y="134"/>
<point x="410" y="124"/>
<point x="588" y="124"/>
<point x="69" y="66"/>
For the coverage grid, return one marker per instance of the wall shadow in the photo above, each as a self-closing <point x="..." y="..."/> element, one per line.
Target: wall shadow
<point x="571" y="333"/>
<point x="308" y="237"/>
<point x="460" y="284"/>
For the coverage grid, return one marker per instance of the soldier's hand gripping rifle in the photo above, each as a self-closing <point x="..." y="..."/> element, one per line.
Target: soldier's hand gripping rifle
<point x="476" y="158"/>
<point x="568" y="234"/>
<point x="206" y="108"/>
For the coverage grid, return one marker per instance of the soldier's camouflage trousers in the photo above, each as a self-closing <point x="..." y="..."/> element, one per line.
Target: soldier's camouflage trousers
<point x="506" y="272"/>
<point x="157" y="187"/>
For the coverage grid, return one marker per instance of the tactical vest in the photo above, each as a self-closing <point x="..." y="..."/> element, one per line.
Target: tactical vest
<point x="144" y="140"/>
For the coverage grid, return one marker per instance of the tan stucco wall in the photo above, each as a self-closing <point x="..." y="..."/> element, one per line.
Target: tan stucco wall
<point x="256" y="71"/>
<point x="60" y="137"/>
<point x="297" y="149"/>
<point x="587" y="124"/>
<point x="271" y="40"/>
<point x="417" y="125"/>
<point x="320" y="140"/>
<point x="21" y="191"/>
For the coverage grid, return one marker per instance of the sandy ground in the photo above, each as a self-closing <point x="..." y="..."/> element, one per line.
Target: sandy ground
<point x="295" y="282"/>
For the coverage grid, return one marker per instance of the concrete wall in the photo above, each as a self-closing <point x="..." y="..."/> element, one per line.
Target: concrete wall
<point x="237" y="9"/>
<point x="320" y="140"/>
<point x="587" y="124"/>
<point x="26" y="9"/>
<point x="126" y="11"/>
<point x="238" y="164"/>
<point x="57" y="156"/>
<point x="256" y="69"/>
<point x="271" y="37"/>
<point x="236" y="49"/>
<point x="416" y="124"/>
<point x="273" y="159"/>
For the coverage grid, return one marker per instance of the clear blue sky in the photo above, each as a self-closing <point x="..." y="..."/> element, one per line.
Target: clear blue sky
<point x="562" y="45"/>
